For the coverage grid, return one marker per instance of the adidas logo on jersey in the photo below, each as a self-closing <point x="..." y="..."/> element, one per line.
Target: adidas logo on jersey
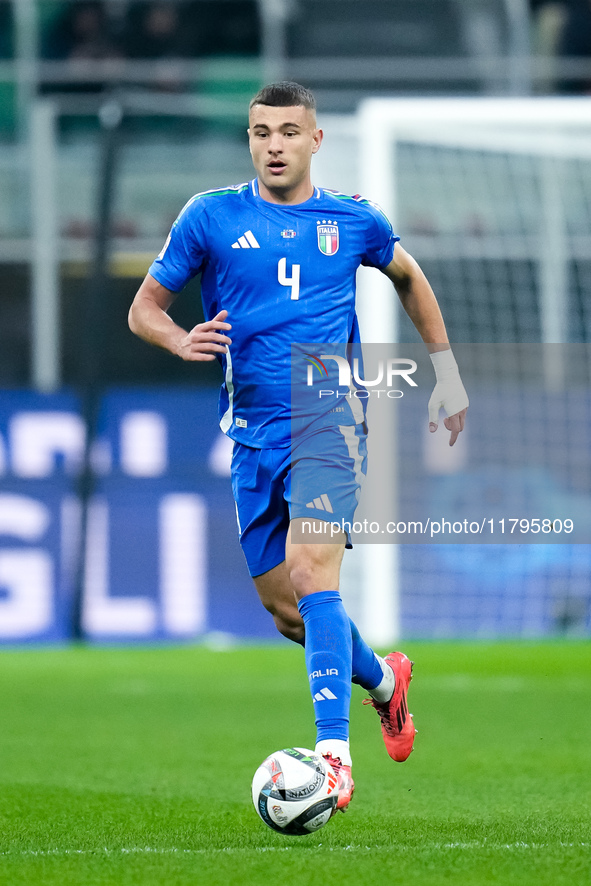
<point x="324" y="694"/>
<point x="247" y="241"/>
<point x="321" y="504"/>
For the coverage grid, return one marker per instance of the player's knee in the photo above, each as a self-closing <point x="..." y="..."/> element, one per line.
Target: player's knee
<point x="308" y="574"/>
<point x="302" y="576"/>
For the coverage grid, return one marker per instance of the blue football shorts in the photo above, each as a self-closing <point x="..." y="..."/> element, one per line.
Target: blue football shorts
<point x="319" y="477"/>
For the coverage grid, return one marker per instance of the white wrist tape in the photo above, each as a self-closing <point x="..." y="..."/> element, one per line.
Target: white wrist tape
<point x="444" y="363"/>
<point x="449" y="391"/>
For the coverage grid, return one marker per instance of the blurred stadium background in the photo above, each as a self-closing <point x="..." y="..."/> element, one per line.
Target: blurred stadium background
<point x="112" y="114"/>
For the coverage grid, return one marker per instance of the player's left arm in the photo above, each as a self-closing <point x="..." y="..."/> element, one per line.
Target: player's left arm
<point x="420" y="303"/>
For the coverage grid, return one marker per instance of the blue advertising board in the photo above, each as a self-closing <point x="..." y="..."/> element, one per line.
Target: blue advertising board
<point x="163" y="560"/>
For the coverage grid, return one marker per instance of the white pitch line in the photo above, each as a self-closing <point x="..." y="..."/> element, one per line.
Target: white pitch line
<point x="139" y="850"/>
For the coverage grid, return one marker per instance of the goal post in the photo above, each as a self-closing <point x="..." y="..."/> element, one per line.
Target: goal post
<point x="546" y="133"/>
<point x="493" y="197"/>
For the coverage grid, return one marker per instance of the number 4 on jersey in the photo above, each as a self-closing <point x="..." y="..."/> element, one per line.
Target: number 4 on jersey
<point x="293" y="281"/>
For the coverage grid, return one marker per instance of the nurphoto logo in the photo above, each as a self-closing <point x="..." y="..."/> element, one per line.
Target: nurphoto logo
<point x="388" y="372"/>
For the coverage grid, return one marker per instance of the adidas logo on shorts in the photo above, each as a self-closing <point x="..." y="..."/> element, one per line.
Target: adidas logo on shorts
<point x="321" y="504"/>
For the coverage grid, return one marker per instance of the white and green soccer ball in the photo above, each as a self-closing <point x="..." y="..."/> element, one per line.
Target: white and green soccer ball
<point x="295" y="791"/>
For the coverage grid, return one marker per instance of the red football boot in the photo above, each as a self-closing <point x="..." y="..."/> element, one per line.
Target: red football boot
<point x="398" y="729"/>
<point x="345" y="781"/>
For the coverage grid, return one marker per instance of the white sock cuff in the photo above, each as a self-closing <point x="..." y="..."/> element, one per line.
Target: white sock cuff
<point x="384" y="691"/>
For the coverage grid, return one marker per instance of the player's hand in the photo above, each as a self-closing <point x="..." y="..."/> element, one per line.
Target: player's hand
<point x="454" y="423"/>
<point x="449" y="394"/>
<point x="206" y="340"/>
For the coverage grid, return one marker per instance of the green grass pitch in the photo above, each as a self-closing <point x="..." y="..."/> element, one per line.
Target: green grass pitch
<point x="133" y="766"/>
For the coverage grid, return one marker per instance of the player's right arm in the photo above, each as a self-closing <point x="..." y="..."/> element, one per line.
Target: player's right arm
<point x="149" y="319"/>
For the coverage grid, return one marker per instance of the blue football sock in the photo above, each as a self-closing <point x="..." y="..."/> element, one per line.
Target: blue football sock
<point x="367" y="670"/>
<point x="328" y="659"/>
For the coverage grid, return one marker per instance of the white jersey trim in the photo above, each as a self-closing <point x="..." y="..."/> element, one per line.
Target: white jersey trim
<point x="352" y="442"/>
<point x="191" y="200"/>
<point x="228" y="416"/>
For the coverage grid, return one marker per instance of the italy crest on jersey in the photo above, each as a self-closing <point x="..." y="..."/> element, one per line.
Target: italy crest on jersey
<point x="328" y="237"/>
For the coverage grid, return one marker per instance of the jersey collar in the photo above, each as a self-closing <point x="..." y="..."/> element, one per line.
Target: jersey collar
<point x="254" y="188"/>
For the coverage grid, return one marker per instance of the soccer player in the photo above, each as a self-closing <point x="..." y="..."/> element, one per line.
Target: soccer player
<point x="277" y="258"/>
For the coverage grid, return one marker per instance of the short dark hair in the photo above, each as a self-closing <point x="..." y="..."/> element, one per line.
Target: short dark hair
<point x="285" y="94"/>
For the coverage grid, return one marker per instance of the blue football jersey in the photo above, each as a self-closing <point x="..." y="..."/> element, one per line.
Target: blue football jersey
<point x="285" y="274"/>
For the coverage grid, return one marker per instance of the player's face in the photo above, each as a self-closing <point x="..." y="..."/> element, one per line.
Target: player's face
<point x="282" y="142"/>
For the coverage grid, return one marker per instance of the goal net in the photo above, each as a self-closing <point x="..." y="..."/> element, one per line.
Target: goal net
<point x="493" y="198"/>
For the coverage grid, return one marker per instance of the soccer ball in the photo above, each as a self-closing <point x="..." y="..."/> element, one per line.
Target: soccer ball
<point x="295" y="791"/>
